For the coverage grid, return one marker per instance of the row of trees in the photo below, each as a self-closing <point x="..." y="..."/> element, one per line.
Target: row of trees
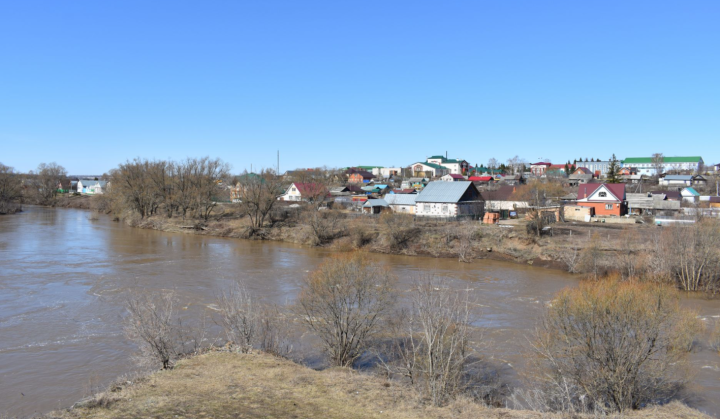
<point x="604" y="346"/>
<point x="10" y="189"/>
<point x="182" y="188"/>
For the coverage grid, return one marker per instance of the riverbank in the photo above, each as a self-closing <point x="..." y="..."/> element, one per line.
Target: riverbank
<point x="464" y="241"/>
<point x="230" y="385"/>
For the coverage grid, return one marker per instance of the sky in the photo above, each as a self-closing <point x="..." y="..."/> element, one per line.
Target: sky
<point x="90" y="84"/>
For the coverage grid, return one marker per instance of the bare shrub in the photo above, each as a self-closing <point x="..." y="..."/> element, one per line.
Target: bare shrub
<point x="274" y="331"/>
<point x="611" y="345"/>
<point x="464" y="244"/>
<point x="695" y="255"/>
<point x="570" y="256"/>
<point x="150" y="324"/>
<point x="397" y="229"/>
<point x="239" y="317"/>
<point x="431" y="341"/>
<point x="325" y="226"/>
<point x="344" y="301"/>
<point x="591" y="259"/>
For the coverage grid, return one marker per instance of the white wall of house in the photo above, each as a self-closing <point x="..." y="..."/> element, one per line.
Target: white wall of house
<point x="601" y="194"/>
<point x="436" y="209"/>
<point x="675" y="182"/>
<point x="504" y="205"/>
<point x="403" y="209"/>
<point x="292" y="194"/>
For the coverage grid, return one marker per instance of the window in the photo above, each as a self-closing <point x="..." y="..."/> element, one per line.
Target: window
<point x="294" y="189"/>
<point x="608" y="206"/>
<point x="445" y="209"/>
<point x="603" y="194"/>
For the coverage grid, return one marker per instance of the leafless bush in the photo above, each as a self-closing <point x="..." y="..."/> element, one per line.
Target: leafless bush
<point x="344" y="301"/>
<point x="464" y="244"/>
<point x="239" y="317"/>
<point x="397" y="229"/>
<point x="431" y="341"/>
<point x="274" y="331"/>
<point x="610" y="345"/>
<point x="570" y="256"/>
<point x="151" y="324"/>
<point x="325" y="226"/>
<point x="591" y="259"/>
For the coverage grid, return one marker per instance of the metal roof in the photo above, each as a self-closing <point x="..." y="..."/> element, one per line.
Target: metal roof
<point x="375" y="203"/>
<point x="440" y="191"/>
<point x="678" y="177"/>
<point x="691" y="159"/>
<point x="401" y="199"/>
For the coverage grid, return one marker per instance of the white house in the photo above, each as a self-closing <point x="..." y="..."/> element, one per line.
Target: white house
<point x="452" y="178"/>
<point x="454" y="166"/>
<point x="386" y="172"/>
<point x="676" y="180"/>
<point x="690" y="195"/>
<point x="449" y="199"/>
<point x="424" y="169"/>
<point x="91" y="187"/>
<point x="304" y="192"/>
<point x="402" y="203"/>
<point x="646" y="166"/>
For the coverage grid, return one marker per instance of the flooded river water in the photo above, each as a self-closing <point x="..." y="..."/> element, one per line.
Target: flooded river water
<point x="64" y="279"/>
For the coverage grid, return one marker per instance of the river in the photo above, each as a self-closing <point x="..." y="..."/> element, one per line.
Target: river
<point x="64" y="278"/>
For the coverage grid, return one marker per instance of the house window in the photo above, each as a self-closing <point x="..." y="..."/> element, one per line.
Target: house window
<point x="445" y="209"/>
<point x="603" y="194"/>
<point x="608" y="206"/>
<point x="293" y="189"/>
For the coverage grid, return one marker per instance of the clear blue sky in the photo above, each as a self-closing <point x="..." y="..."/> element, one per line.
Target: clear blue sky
<point x="89" y="84"/>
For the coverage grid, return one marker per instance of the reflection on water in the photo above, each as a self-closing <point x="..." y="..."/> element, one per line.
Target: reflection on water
<point x="64" y="278"/>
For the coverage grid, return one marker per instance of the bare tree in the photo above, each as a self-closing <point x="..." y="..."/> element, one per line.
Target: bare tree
<point x="694" y="255"/>
<point x="570" y="256"/>
<point x="325" y="226"/>
<point x="538" y="194"/>
<point x="492" y="164"/>
<point x="397" y="229"/>
<point x="258" y="195"/>
<point x="344" y="302"/>
<point x="49" y="178"/>
<point x="658" y="161"/>
<point x="151" y="324"/>
<point x="612" y="345"/>
<point x="10" y="189"/>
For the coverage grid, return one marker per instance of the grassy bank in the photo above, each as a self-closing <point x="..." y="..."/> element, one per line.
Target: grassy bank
<point x="231" y="385"/>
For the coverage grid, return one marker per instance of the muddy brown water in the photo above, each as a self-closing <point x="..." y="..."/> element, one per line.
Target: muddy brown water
<point x="64" y="279"/>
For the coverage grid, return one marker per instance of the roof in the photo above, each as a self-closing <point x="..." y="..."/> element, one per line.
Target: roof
<point x="456" y="176"/>
<point x="692" y="191"/>
<point x="353" y="188"/>
<point x="449" y="192"/>
<point x="480" y="178"/>
<point x="401" y="199"/>
<point x="503" y="193"/>
<point x="90" y="182"/>
<point x="587" y="176"/>
<point x="370" y="167"/>
<point x="679" y="177"/>
<point x="557" y="166"/>
<point x="714" y="200"/>
<point x="309" y="188"/>
<point x="433" y="165"/>
<point x="541" y="163"/>
<point x="375" y="203"/>
<point x="364" y="173"/>
<point x="404" y="191"/>
<point x="670" y="195"/>
<point x="587" y="189"/>
<point x="691" y="159"/>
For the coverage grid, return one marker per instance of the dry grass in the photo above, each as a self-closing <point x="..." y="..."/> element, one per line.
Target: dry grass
<point x="230" y="385"/>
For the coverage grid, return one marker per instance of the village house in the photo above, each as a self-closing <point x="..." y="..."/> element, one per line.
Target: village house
<point x="454" y="166"/>
<point x="579" y="179"/>
<point x="650" y="204"/>
<point x="449" y="200"/>
<point x="676" y="180"/>
<point x="452" y="178"/>
<point x="503" y="201"/>
<point x="604" y="198"/>
<point x="539" y="168"/>
<point x="374" y="206"/>
<point x="416" y="183"/>
<point x="356" y="175"/>
<point x="429" y="170"/>
<point x="578" y="213"/>
<point x="690" y="195"/>
<point x="308" y="192"/>
<point x="91" y="187"/>
<point x="401" y="203"/>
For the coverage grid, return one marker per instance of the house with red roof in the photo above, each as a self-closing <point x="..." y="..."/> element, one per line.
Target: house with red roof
<point x="604" y="198"/>
<point x="484" y="179"/>
<point x="309" y="192"/>
<point x="539" y="168"/>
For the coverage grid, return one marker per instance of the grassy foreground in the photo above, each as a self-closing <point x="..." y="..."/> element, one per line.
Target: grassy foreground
<point x="230" y="385"/>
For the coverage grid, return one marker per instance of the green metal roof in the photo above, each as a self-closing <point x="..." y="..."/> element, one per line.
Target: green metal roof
<point x="691" y="159"/>
<point x="369" y="167"/>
